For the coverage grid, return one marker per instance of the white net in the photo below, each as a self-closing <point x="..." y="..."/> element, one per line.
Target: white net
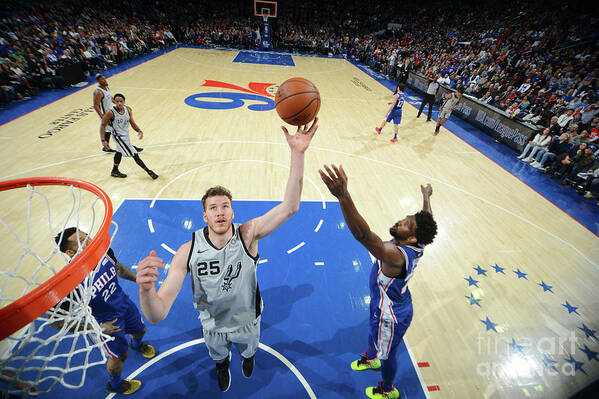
<point x="60" y="345"/>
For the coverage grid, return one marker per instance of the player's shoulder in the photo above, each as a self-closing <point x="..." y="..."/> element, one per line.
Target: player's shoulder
<point x="185" y="248"/>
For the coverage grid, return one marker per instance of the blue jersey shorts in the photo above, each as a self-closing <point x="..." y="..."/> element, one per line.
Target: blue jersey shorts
<point x="394" y="115"/>
<point x="385" y="334"/>
<point x="130" y="322"/>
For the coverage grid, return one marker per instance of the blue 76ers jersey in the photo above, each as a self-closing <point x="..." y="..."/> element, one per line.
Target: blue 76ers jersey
<point x="390" y="298"/>
<point x="108" y="298"/>
<point x="399" y="102"/>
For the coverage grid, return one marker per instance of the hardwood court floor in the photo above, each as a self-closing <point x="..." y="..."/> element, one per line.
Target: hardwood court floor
<point x="485" y="215"/>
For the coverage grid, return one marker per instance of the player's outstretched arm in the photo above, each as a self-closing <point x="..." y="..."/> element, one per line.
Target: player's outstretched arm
<point x="124" y="272"/>
<point x="427" y="191"/>
<point x="262" y="226"/>
<point x="156" y="305"/>
<point x="336" y="181"/>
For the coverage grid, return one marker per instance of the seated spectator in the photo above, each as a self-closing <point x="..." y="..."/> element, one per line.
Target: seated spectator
<point x="558" y="145"/>
<point x="573" y="130"/>
<point x="554" y="127"/>
<point x="565" y="119"/>
<point x="513" y="110"/>
<point x="583" y="161"/>
<point x="589" y="113"/>
<point x="589" y="184"/>
<point x="444" y="80"/>
<point x="541" y="140"/>
<point x="583" y="137"/>
<point x="558" y="167"/>
<point x="524" y="87"/>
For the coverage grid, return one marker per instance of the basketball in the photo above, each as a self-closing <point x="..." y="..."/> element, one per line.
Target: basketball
<point x="297" y="101"/>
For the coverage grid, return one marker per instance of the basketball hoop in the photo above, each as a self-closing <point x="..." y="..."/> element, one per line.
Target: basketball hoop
<point x="265" y="9"/>
<point x="42" y="343"/>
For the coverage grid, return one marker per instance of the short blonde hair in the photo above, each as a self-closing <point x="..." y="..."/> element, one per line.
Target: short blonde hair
<point x="216" y="191"/>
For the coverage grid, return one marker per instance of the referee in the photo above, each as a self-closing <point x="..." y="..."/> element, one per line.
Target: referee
<point x="429" y="97"/>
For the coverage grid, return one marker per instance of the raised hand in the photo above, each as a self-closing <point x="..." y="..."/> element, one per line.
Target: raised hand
<point x="147" y="271"/>
<point x="427" y="190"/>
<point x="302" y="138"/>
<point x="335" y="180"/>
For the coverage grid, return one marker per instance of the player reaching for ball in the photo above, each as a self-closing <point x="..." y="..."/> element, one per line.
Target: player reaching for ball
<point x="390" y="299"/>
<point x="394" y="112"/>
<point x="222" y="259"/>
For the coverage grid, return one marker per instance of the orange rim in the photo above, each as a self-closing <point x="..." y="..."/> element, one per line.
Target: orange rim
<point x="29" y="307"/>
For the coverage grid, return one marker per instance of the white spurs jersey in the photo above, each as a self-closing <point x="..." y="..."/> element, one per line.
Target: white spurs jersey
<point x="223" y="281"/>
<point x="106" y="102"/>
<point x="451" y="102"/>
<point x="120" y="122"/>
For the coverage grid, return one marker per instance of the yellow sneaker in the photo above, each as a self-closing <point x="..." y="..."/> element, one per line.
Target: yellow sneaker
<point x="378" y="393"/>
<point x="127" y="387"/>
<point x="146" y="350"/>
<point x="364" y="364"/>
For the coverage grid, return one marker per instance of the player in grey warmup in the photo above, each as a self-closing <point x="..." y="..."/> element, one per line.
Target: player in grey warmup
<point x="222" y="259"/>
<point x="451" y="103"/>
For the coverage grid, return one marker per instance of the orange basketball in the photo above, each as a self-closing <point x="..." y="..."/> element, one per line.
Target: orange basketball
<point x="297" y="101"/>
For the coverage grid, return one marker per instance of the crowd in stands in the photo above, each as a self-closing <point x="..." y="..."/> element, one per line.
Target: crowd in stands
<point x="37" y="42"/>
<point x="535" y="61"/>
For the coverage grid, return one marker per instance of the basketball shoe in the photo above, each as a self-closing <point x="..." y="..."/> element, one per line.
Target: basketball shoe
<point x="379" y="393"/>
<point x="366" y="364"/>
<point x="146" y="350"/>
<point x="127" y="387"/>
<point x="223" y="375"/>
<point x="247" y="366"/>
<point x="117" y="173"/>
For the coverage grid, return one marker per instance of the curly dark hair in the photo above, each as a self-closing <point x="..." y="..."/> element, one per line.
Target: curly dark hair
<point x="426" y="228"/>
<point x="214" y="191"/>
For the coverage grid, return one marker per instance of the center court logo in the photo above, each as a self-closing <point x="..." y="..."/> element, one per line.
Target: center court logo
<point x="259" y="94"/>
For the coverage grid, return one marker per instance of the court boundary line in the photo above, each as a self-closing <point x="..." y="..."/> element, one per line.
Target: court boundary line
<point x="355" y="64"/>
<point x="427" y="394"/>
<point x="199" y="341"/>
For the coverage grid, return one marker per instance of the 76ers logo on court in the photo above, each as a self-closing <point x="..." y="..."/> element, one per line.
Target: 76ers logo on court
<point x="260" y="94"/>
